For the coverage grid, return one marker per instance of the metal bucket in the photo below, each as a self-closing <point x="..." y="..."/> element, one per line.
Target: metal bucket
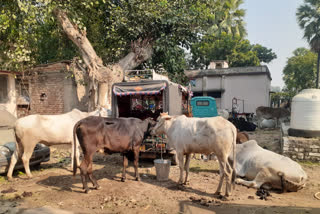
<point x="162" y="169"/>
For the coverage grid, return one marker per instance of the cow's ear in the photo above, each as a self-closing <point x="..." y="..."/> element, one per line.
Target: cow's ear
<point x="167" y="118"/>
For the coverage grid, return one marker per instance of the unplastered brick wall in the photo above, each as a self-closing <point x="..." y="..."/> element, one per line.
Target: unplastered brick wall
<point x="299" y="148"/>
<point x="47" y="89"/>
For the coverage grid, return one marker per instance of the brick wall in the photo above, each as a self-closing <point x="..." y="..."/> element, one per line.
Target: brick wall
<point x="47" y="89"/>
<point x="298" y="148"/>
<point x="46" y="95"/>
<point x="50" y="91"/>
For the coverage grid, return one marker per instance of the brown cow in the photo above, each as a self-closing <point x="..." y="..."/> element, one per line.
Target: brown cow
<point x="113" y="135"/>
<point x="242" y="137"/>
<point x="271" y="113"/>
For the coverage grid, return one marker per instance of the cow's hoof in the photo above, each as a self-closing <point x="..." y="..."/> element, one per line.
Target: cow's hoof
<point x="137" y="179"/>
<point x="186" y="183"/>
<point x="10" y="179"/>
<point x="237" y="181"/>
<point x="217" y="193"/>
<point x="87" y="191"/>
<point x="123" y="179"/>
<point x="98" y="187"/>
<point x="223" y="198"/>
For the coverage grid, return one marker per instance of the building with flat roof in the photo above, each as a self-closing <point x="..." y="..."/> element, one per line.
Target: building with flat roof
<point x="250" y="86"/>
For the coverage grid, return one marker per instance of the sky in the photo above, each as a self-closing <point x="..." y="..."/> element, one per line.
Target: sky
<point x="273" y="24"/>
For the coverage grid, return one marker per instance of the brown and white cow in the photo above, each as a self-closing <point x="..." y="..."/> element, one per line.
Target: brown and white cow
<point x="47" y="129"/>
<point x="263" y="112"/>
<point x="201" y="135"/>
<point x="113" y="135"/>
<point x="242" y="137"/>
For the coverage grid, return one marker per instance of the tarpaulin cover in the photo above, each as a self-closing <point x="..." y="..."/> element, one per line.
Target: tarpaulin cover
<point x="139" y="89"/>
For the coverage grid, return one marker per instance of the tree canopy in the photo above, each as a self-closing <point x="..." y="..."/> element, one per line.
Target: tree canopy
<point x="308" y="16"/>
<point x="300" y="71"/>
<point x="235" y="49"/>
<point x="30" y="33"/>
<point x="229" y="19"/>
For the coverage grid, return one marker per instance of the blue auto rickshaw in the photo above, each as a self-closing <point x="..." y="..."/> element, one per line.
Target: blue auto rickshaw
<point x="204" y="107"/>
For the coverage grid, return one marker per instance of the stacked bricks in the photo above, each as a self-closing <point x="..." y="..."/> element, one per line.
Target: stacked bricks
<point x="300" y="148"/>
<point x="47" y="89"/>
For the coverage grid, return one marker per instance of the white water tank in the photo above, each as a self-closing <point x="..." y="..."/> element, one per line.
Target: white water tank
<point x="305" y="114"/>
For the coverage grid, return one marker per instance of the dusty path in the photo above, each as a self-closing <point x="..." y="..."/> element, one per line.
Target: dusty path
<point x="54" y="186"/>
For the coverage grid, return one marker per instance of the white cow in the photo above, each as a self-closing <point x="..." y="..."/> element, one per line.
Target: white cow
<point x="46" y="129"/>
<point x="268" y="123"/>
<point x="267" y="169"/>
<point x="200" y="135"/>
<point x="223" y="113"/>
<point x="278" y="114"/>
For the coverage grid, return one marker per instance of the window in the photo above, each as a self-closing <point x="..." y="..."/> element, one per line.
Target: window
<point x="22" y="87"/>
<point x="197" y="94"/>
<point x="219" y="65"/>
<point x="3" y="88"/>
<point x="214" y="94"/>
<point x="202" y="103"/>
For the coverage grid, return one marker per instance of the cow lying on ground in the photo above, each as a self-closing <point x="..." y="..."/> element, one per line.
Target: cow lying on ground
<point x="268" y="123"/>
<point x="47" y="129"/>
<point x="271" y="113"/>
<point x="267" y="169"/>
<point x="113" y="135"/>
<point x="242" y="137"/>
<point x="200" y="135"/>
<point x="242" y="125"/>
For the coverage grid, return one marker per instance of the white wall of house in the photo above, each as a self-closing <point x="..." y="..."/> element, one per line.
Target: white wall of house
<point x="9" y="103"/>
<point x="253" y="89"/>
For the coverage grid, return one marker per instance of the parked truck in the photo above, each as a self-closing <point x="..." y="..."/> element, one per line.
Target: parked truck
<point x="143" y="98"/>
<point x="204" y="106"/>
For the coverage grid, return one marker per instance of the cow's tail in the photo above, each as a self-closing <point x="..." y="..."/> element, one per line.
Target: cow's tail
<point x="233" y="177"/>
<point x="75" y="150"/>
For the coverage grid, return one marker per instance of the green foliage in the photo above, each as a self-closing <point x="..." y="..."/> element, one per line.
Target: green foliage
<point x="29" y="33"/>
<point x="229" y="19"/>
<point x="280" y="96"/>
<point x="172" y="59"/>
<point x="237" y="51"/>
<point x="300" y="71"/>
<point x="308" y="16"/>
<point x="264" y="54"/>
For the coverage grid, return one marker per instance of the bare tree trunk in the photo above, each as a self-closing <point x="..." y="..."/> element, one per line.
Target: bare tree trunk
<point x="80" y="78"/>
<point x="104" y="75"/>
<point x="318" y="63"/>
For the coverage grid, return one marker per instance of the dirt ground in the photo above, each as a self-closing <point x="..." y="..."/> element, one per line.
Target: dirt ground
<point x="54" y="186"/>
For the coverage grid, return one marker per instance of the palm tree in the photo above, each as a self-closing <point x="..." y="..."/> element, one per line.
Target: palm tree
<point x="229" y="18"/>
<point x="308" y="16"/>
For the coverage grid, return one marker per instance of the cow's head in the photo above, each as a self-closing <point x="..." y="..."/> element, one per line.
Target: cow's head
<point x="101" y="112"/>
<point x="151" y="123"/>
<point x="163" y="122"/>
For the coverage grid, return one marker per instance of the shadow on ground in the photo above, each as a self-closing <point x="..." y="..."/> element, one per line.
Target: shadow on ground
<point x="188" y="207"/>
